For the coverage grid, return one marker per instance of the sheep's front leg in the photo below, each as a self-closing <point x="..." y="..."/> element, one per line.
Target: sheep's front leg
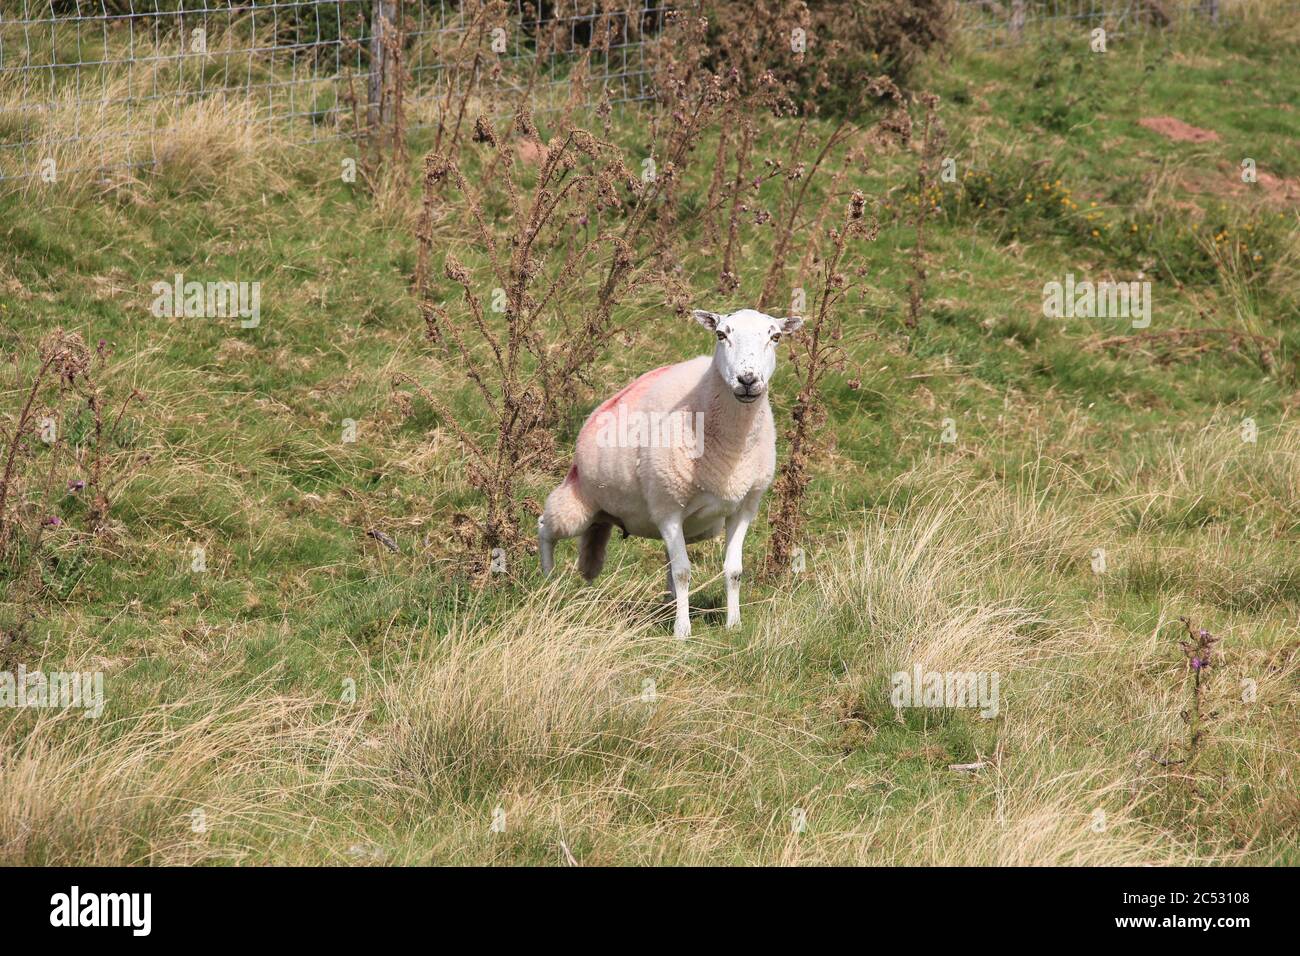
<point x="672" y="588"/>
<point x="670" y="529"/>
<point x="737" y="526"/>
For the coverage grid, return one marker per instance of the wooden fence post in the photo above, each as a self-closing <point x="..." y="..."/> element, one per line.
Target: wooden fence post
<point x="1017" y="17"/>
<point x="382" y="26"/>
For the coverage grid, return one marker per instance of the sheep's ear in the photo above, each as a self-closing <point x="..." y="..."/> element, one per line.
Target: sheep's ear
<point x="707" y="319"/>
<point x="792" y="324"/>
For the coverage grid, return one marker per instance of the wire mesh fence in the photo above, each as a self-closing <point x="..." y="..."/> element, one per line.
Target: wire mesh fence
<point x="104" y="84"/>
<point x="101" y="83"/>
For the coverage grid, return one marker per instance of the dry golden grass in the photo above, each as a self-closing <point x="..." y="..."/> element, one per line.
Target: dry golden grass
<point x="130" y="790"/>
<point x="213" y="141"/>
<point x="565" y="686"/>
<point x="1212" y="474"/>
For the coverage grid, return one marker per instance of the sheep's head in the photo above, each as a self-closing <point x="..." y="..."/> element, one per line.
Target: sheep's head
<point x="745" y="355"/>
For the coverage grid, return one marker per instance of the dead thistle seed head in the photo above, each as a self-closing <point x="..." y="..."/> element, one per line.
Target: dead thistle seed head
<point x="883" y="87"/>
<point x="607" y="183"/>
<point x="524" y="123"/>
<point x="435" y="318"/>
<point x="483" y="132"/>
<point x="67" y="354"/>
<point x="586" y="143"/>
<point x="455" y="271"/>
<point x="436" y="168"/>
<point x="894" y="128"/>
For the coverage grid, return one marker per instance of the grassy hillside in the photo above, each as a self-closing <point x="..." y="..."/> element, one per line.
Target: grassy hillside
<point x="571" y="707"/>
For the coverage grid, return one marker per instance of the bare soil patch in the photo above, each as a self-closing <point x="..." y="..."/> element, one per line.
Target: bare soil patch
<point x="1179" y="131"/>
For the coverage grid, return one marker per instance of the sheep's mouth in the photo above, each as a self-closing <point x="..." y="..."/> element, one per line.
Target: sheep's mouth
<point x="747" y="397"/>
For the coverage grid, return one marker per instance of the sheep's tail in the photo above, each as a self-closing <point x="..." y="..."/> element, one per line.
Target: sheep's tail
<point x="565" y="515"/>
<point x="591" y="549"/>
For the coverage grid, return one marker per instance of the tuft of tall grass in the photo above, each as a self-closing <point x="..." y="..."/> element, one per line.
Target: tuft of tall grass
<point x="203" y="780"/>
<point x="1228" y="471"/>
<point x="561" y="687"/>
<point x="214" y="142"/>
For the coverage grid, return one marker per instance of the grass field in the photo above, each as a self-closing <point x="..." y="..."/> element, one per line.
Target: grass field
<point x="319" y="699"/>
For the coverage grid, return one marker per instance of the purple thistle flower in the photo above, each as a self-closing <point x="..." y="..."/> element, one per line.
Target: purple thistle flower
<point x="1196" y="663"/>
<point x="75" y="485"/>
<point x="52" y="520"/>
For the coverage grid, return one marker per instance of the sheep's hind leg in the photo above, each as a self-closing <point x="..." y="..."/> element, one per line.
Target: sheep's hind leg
<point x="545" y="547"/>
<point x="670" y="529"/>
<point x="591" y="549"/>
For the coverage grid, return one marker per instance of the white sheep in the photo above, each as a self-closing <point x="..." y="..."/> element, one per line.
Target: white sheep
<point x="679" y="454"/>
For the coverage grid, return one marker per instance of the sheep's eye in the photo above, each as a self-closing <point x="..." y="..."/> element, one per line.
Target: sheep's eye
<point x="776" y="337"/>
<point x="722" y="336"/>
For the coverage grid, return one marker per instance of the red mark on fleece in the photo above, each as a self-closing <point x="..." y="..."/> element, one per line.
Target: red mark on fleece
<point x="626" y="390"/>
<point x="620" y="396"/>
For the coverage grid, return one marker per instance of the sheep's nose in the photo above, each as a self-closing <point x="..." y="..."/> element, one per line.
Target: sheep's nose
<point x="747" y="379"/>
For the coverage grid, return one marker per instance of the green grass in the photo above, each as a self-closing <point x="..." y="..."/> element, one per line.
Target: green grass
<point x="974" y="555"/>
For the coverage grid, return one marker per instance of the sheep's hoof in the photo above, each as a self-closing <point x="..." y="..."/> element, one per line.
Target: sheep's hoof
<point x="682" y="631"/>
